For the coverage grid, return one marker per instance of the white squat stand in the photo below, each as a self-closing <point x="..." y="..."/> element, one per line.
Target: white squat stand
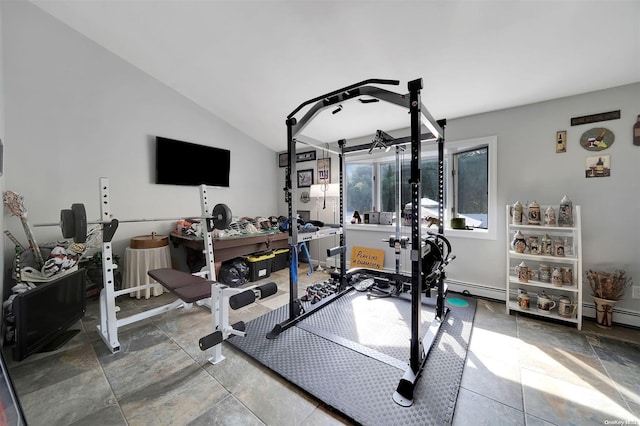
<point x="193" y="287"/>
<point x="109" y="323"/>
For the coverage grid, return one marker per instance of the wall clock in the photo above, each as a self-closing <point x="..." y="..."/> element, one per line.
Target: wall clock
<point x="304" y="197"/>
<point x="597" y="139"/>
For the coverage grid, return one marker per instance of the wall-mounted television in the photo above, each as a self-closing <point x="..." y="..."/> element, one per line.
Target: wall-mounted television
<point x="186" y="163"/>
<point x="45" y="314"/>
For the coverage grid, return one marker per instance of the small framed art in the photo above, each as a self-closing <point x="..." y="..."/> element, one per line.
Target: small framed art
<point x="305" y="156"/>
<point x="282" y="159"/>
<point x="598" y="166"/>
<point x="561" y="141"/>
<point x="324" y="170"/>
<point x="305" y="178"/>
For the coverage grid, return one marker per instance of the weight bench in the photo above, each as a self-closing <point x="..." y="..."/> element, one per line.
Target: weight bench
<point x="189" y="288"/>
<point x="193" y="288"/>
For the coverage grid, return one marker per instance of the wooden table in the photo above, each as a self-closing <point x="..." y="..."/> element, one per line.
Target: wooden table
<point x="229" y="247"/>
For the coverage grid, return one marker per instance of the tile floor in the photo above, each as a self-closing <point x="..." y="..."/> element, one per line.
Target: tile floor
<point x="519" y="371"/>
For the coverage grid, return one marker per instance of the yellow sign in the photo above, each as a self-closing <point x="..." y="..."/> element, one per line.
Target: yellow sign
<point x="363" y="257"/>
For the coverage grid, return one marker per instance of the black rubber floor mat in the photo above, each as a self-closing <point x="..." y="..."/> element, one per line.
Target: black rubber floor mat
<point x="351" y="354"/>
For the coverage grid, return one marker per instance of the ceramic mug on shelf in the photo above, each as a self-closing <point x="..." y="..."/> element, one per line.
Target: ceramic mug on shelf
<point x="533" y="214"/>
<point x="523" y="299"/>
<point x="558" y="247"/>
<point x="567" y="275"/>
<point x="519" y="244"/>
<point x="556" y="277"/>
<point x="566" y="307"/>
<point x="545" y="303"/>
<point x="565" y="214"/>
<point x="523" y="272"/>
<point x="516" y="213"/>
<point x="550" y="217"/>
<point x="547" y="245"/>
<point x="534" y="247"/>
<point x="544" y="273"/>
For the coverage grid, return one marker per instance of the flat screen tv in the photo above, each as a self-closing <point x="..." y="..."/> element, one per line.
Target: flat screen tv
<point x="185" y="163"/>
<point x="44" y="315"/>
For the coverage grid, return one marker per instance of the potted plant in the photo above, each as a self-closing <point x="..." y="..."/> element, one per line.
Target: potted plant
<point x="607" y="288"/>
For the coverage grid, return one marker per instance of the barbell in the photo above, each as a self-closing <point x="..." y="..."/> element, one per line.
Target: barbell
<point x="73" y="221"/>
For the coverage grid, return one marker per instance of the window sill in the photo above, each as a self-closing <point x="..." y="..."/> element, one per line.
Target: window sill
<point x="479" y="234"/>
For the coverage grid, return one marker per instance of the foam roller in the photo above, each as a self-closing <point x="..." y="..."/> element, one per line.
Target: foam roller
<point x="267" y="289"/>
<point x="210" y="341"/>
<point x="239" y="300"/>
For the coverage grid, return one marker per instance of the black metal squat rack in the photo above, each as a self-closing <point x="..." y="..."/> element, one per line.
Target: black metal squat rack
<point x="419" y="115"/>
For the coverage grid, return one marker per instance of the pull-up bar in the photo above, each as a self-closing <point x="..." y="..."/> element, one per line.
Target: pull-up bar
<point x="359" y="89"/>
<point x="345" y="92"/>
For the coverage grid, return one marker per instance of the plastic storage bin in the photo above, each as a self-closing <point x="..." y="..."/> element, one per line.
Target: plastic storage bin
<point x="280" y="260"/>
<point x="260" y="265"/>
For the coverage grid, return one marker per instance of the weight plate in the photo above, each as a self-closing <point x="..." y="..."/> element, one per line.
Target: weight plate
<point x="79" y="223"/>
<point x="364" y="284"/>
<point x="221" y="216"/>
<point x="67" y="223"/>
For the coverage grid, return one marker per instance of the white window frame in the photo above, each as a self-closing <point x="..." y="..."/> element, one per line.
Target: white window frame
<point x="491" y="142"/>
<point x="451" y="148"/>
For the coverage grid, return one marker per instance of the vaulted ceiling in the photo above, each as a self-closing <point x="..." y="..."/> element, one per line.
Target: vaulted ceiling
<point x="253" y="62"/>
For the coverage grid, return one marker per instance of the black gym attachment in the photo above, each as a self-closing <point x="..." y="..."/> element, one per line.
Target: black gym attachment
<point x="247" y="297"/>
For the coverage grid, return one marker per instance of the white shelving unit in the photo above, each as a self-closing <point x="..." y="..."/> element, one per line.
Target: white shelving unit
<point x="572" y="237"/>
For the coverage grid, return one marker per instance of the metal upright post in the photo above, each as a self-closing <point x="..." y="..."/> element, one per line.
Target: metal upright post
<point x="416" y="350"/>
<point x="343" y="238"/>
<point x="214" y="302"/>
<point x="293" y="220"/>
<point x="206" y="235"/>
<point x="398" y="206"/>
<point x="108" y="328"/>
<point x="440" y="308"/>
<point x="218" y="313"/>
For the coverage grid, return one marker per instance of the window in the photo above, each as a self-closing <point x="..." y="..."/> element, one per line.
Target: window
<point x="470" y="186"/>
<point x="360" y="188"/>
<point x="389" y="182"/>
<point x="470" y="183"/>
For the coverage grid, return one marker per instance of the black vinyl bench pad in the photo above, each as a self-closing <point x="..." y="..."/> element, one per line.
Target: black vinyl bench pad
<point x="187" y="287"/>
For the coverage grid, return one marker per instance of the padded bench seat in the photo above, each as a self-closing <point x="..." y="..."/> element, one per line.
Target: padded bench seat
<point x="187" y="287"/>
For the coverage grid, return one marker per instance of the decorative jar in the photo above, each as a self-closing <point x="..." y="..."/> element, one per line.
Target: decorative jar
<point x="518" y="244"/>
<point x="565" y="215"/>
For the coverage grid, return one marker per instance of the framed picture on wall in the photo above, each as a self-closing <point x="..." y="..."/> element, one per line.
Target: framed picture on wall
<point x="561" y="141"/>
<point x="324" y="170"/>
<point x="305" y="178"/>
<point x="305" y="156"/>
<point x="597" y="166"/>
<point x="282" y="159"/>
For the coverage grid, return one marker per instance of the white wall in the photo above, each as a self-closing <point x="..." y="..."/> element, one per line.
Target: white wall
<point x="76" y="112"/>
